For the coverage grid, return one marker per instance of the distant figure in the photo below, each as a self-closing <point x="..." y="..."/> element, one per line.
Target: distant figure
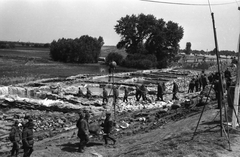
<point x="87" y="115"/>
<point x="197" y="84"/>
<point x="191" y="85"/>
<point x="80" y="92"/>
<point x="115" y="94"/>
<point x="138" y="93"/>
<point x="159" y="92"/>
<point x="143" y="90"/>
<point x="217" y="88"/>
<point x="227" y="74"/>
<point x="175" y="90"/>
<point x="15" y="137"/>
<point x="163" y="87"/>
<point x="105" y="95"/>
<point x="204" y="81"/>
<point x="107" y="128"/>
<point x="228" y="82"/>
<point x="211" y="78"/>
<point x="83" y="132"/>
<point x="27" y="138"/>
<point x="89" y="93"/>
<point x="125" y="97"/>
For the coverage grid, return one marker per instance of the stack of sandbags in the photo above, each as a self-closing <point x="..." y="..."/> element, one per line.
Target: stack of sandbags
<point x="4" y="90"/>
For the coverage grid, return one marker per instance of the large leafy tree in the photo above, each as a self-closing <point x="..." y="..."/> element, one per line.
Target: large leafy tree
<point x="148" y="35"/>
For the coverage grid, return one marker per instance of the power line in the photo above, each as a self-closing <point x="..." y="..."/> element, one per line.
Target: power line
<point x="195" y="4"/>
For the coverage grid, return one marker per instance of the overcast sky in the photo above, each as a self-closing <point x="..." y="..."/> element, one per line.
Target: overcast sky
<point x="47" y="20"/>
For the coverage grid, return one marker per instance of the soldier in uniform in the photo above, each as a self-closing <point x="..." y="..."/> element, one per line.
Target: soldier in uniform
<point x="89" y="93"/>
<point x="107" y="128"/>
<point x="105" y="95"/>
<point x="138" y="93"/>
<point x="175" y="90"/>
<point x="27" y="137"/>
<point x="143" y="90"/>
<point x="83" y="132"/>
<point x="15" y="137"/>
<point x="115" y="94"/>
<point x="125" y="97"/>
<point x="80" y="92"/>
<point x="159" y="92"/>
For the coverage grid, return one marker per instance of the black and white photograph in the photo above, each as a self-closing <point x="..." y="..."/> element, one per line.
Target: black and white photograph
<point x="119" y="78"/>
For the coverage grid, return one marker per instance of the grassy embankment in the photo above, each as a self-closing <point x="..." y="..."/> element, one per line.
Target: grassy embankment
<point x="27" y="64"/>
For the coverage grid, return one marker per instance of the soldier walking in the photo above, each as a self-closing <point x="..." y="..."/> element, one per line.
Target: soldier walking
<point x="125" y="97"/>
<point x="159" y="92"/>
<point x="107" y="128"/>
<point x="83" y="132"/>
<point x="105" y="95"/>
<point x="15" y="137"/>
<point x="175" y="90"/>
<point x="27" y="137"/>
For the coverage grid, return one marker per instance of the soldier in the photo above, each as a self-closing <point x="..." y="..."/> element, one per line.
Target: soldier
<point x="143" y="90"/>
<point x="125" y="97"/>
<point x="80" y="92"/>
<point x="107" y="128"/>
<point x="211" y="78"/>
<point x="217" y="88"/>
<point x="27" y="137"/>
<point x="163" y="87"/>
<point x="138" y="93"/>
<point x="204" y="81"/>
<point x="115" y="94"/>
<point x="227" y="73"/>
<point x="175" y="90"/>
<point x="159" y="92"/>
<point x="197" y="83"/>
<point x="191" y="85"/>
<point x="15" y="137"/>
<point x="105" y="95"/>
<point x="89" y="93"/>
<point x="83" y="132"/>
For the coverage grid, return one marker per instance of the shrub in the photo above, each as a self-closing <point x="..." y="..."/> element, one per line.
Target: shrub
<point x="140" y="61"/>
<point x="118" y="58"/>
<point x="85" y="49"/>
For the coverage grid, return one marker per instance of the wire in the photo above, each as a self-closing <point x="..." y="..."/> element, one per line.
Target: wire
<point x="210" y="6"/>
<point x="195" y="4"/>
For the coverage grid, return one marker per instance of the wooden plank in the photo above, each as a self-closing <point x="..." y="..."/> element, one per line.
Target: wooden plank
<point x="237" y="87"/>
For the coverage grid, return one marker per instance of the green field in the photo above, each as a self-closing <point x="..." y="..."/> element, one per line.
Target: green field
<point x="21" y="65"/>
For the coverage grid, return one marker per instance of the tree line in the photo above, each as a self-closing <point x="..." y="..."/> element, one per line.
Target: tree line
<point x="85" y="49"/>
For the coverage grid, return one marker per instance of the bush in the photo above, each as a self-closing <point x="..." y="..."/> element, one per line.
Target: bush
<point x="118" y="58"/>
<point x="140" y="61"/>
<point x="85" y="49"/>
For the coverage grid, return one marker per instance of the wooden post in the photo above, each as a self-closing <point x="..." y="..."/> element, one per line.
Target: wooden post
<point x="236" y="94"/>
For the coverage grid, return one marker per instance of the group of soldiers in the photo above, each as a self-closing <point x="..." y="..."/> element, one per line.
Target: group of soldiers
<point x="21" y="136"/>
<point x="83" y="129"/>
<point x="199" y="82"/>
